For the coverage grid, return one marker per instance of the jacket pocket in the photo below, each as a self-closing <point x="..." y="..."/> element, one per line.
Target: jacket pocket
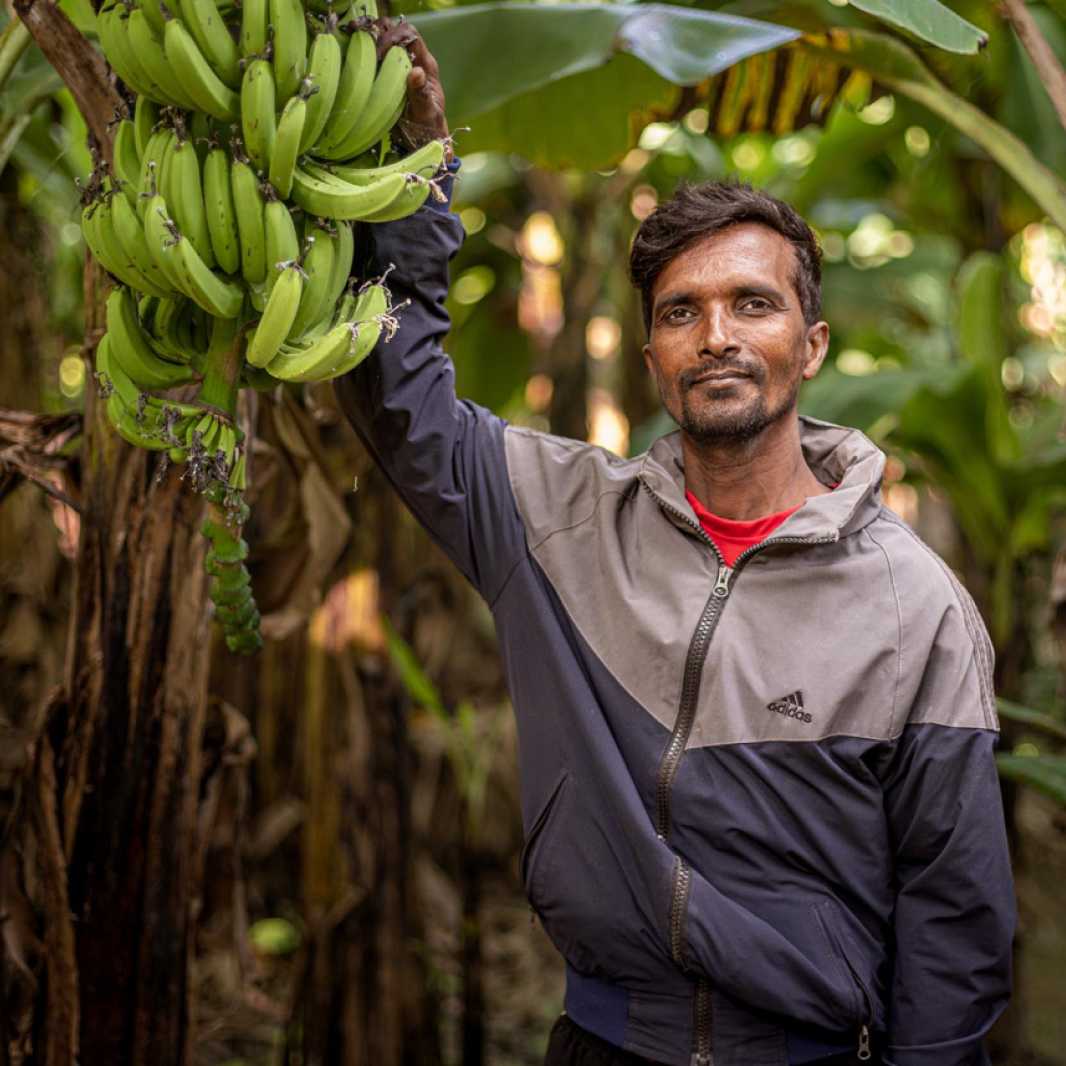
<point x="837" y="941"/>
<point x="538" y="840"/>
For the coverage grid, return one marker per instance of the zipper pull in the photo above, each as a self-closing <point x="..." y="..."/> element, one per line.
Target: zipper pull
<point x="864" y="1044"/>
<point x="721" y="586"/>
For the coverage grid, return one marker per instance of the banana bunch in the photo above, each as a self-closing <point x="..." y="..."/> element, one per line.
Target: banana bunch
<point x="259" y="133"/>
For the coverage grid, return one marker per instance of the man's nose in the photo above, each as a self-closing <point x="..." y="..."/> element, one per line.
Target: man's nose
<point x="719" y="336"/>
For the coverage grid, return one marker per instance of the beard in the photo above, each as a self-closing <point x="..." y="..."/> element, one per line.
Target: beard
<point x="730" y="420"/>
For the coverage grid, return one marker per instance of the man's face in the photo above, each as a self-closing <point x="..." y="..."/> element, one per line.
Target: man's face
<point x="728" y="343"/>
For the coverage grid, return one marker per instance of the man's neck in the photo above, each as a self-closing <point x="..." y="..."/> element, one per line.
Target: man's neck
<point x="752" y="478"/>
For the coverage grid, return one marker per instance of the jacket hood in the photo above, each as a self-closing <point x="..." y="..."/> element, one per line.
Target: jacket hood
<point x="836" y="454"/>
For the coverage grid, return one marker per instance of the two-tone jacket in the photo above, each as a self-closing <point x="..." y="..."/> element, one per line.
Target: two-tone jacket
<point x="763" y="822"/>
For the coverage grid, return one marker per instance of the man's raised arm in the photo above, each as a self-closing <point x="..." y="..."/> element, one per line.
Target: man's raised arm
<point x="444" y="456"/>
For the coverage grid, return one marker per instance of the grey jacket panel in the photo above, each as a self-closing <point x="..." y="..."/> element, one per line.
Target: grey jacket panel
<point x="851" y="615"/>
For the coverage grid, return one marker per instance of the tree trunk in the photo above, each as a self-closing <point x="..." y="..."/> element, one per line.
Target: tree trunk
<point x="117" y="764"/>
<point x="117" y="818"/>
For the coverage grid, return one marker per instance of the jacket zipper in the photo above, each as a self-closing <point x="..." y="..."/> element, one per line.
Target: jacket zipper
<point x="703" y="1023"/>
<point x="675" y="749"/>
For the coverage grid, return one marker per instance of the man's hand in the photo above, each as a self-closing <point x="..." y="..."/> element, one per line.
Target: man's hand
<point x="424" y="119"/>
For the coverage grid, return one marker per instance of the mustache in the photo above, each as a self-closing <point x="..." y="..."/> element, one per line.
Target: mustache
<point x="694" y="375"/>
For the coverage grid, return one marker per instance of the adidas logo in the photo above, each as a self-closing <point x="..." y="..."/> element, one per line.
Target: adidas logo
<point x="791" y="706"/>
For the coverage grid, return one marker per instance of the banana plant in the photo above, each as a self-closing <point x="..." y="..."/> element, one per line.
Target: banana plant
<point x="573" y="84"/>
<point x="1029" y="765"/>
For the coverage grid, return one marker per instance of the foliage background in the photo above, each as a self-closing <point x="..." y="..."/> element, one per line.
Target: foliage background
<point x="357" y="810"/>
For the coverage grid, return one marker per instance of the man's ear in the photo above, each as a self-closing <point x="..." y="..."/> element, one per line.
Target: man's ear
<point x="817" y="346"/>
<point x="649" y="358"/>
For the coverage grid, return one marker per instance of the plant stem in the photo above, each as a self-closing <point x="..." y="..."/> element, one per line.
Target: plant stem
<point x="224" y="357"/>
<point x="1047" y="65"/>
<point x="899" y="68"/>
<point x="13" y="43"/>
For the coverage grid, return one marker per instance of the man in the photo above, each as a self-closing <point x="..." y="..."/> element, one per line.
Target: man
<point x="755" y="713"/>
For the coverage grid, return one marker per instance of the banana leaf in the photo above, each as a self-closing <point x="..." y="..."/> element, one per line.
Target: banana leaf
<point x="572" y="84"/>
<point x="928" y="20"/>
<point x="1026" y="716"/>
<point x="1045" y="773"/>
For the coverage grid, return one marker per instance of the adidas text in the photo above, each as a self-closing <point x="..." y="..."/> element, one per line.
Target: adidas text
<point x="790" y="706"/>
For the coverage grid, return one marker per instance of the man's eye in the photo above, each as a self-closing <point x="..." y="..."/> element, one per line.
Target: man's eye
<point x="675" y="314"/>
<point x="757" y="303"/>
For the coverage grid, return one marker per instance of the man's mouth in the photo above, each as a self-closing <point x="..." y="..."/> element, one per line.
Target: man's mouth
<point x="721" y="377"/>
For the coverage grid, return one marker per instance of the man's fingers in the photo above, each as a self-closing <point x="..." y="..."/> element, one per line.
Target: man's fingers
<point x="402" y="33"/>
<point x="423" y="57"/>
<point x="416" y="80"/>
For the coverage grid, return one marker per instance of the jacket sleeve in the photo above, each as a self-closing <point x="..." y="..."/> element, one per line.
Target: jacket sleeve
<point x="445" y="457"/>
<point x="955" y="912"/>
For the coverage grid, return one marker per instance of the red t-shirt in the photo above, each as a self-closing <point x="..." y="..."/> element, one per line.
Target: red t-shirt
<point x="732" y="537"/>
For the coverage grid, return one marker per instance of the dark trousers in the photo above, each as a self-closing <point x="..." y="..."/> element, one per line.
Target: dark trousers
<point x="570" y="1045"/>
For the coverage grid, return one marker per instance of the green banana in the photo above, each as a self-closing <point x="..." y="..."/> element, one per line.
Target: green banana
<point x="90" y="232"/>
<point x="145" y="116"/>
<point x="278" y="315"/>
<point x="386" y="103"/>
<point x="287" y="145"/>
<point x="221" y="215"/>
<point x="130" y="233"/>
<point x="353" y="202"/>
<point x="344" y="249"/>
<point x="140" y="435"/>
<point x="111" y="375"/>
<point x="132" y="352"/>
<point x="185" y="197"/>
<point x="153" y="12"/>
<point x="143" y="405"/>
<point x="147" y="45"/>
<point x="218" y="296"/>
<point x="170" y="333"/>
<point x="324" y="65"/>
<point x="113" y="29"/>
<point x="254" y="32"/>
<point x="248" y="204"/>
<point x="151" y="174"/>
<point x="207" y="90"/>
<point x="201" y="133"/>
<point x="104" y="242"/>
<point x="353" y="91"/>
<point x="258" y="122"/>
<point x="426" y="162"/>
<point x="407" y="203"/>
<point x="160" y="239"/>
<point x="344" y="346"/>
<point x="211" y="34"/>
<point x="290" y="45"/>
<point x="126" y="160"/>
<point x="282" y="243"/>
<point x="318" y="265"/>
<point x="166" y="157"/>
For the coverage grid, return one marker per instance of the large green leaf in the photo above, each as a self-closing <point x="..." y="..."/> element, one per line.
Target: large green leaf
<point x="929" y="20"/>
<point x="1026" y="716"/>
<point x="861" y="401"/>
<point x="489" y="53"/>
<point x="589" y="120"/>
<point x="419" y="687"/>
<point x="982" y="340"/>
<point x="1045" y="773"/>
<point x="899" y="69"/>
<point x="571" y="84"/>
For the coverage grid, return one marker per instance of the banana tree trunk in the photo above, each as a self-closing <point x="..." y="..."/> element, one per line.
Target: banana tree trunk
<point x="117" y="764"/>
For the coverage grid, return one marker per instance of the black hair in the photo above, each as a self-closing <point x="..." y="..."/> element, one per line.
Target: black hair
<point x="697" y="211"/>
